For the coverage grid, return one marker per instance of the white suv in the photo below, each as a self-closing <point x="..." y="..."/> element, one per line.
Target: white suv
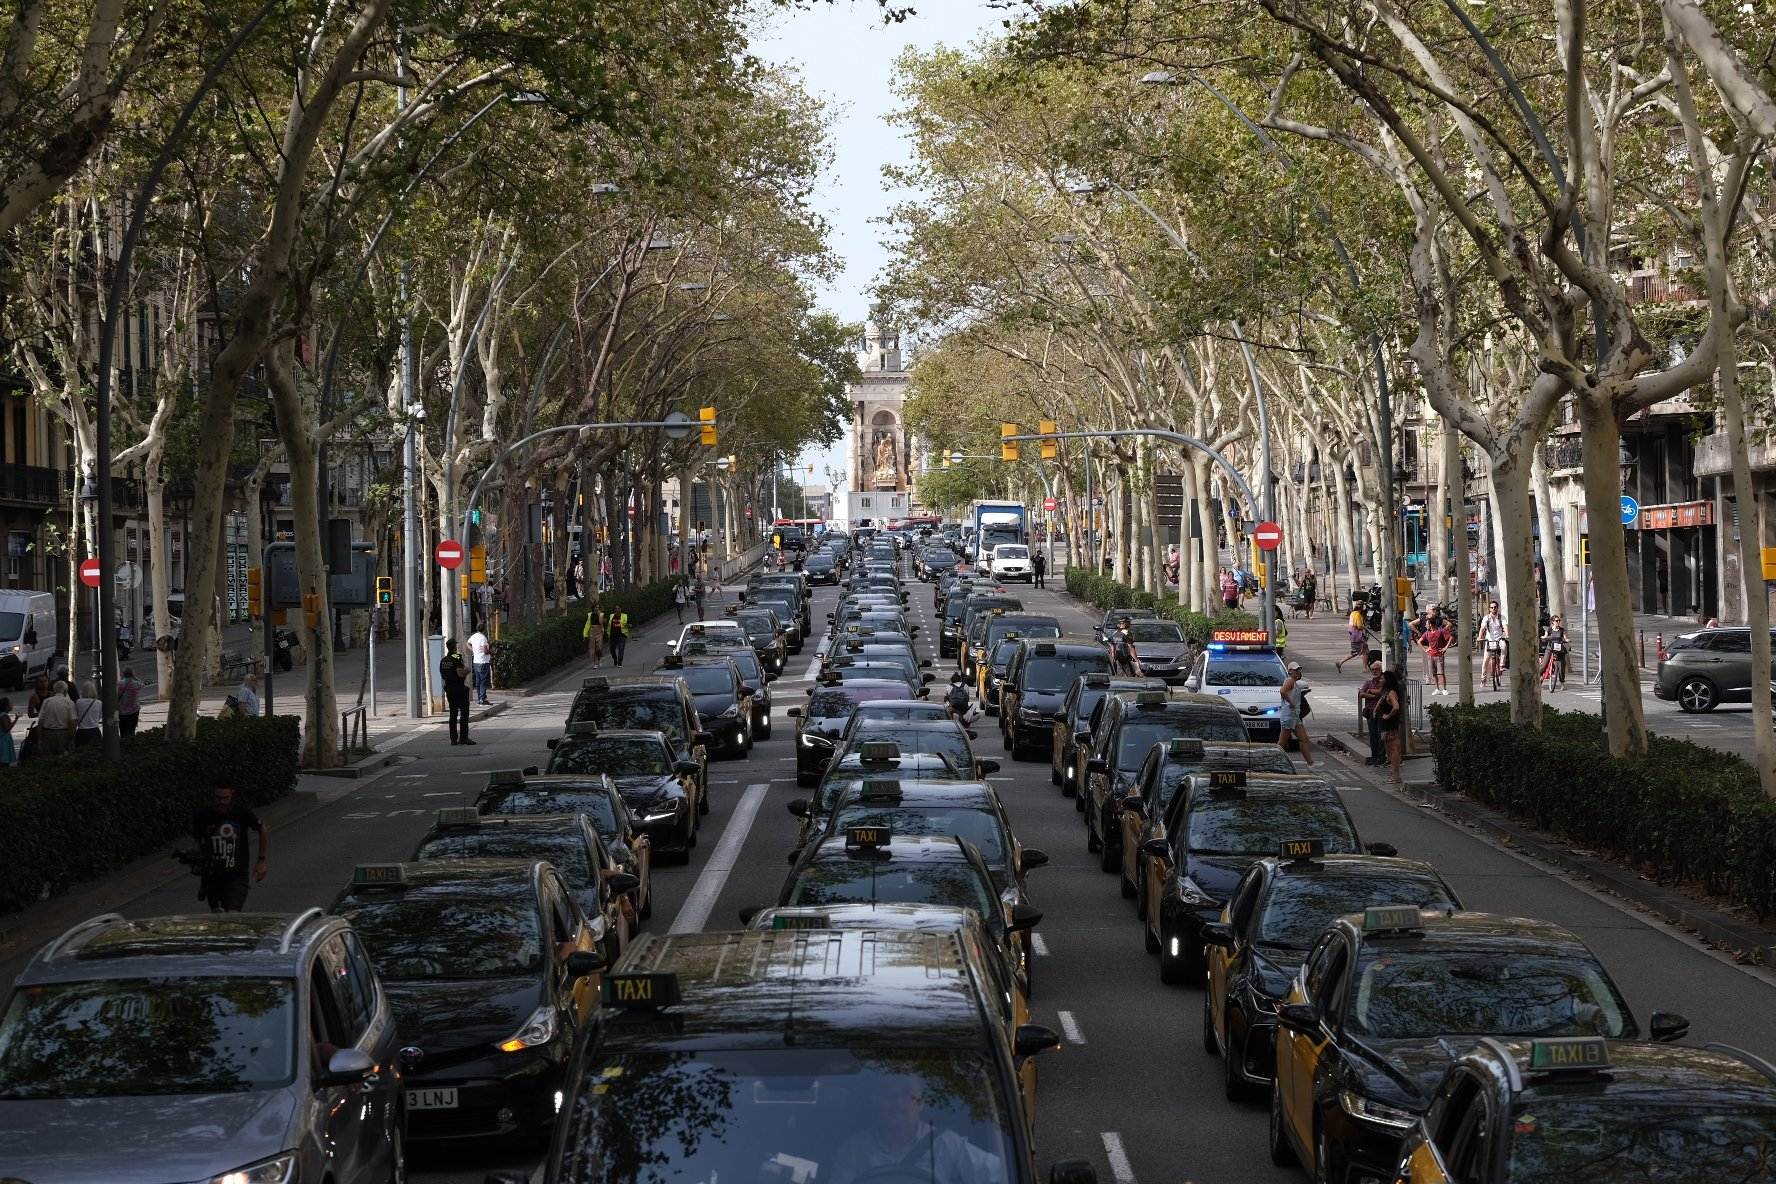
<point x="1011" y="561"/>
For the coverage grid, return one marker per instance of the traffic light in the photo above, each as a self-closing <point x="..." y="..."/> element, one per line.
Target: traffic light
<point x="1008" y="449"/>
<point x="946" y="460"/>
<point x="1050" y="448"/>
<point x="385" y="589"/>
<point x="255" y="591"/>
<point x="707" y="416"/>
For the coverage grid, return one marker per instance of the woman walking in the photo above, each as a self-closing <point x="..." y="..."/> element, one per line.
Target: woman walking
<point x="594" y="635"/>
<point x="1390" y="712"/>
<point x="1293" y="717"/>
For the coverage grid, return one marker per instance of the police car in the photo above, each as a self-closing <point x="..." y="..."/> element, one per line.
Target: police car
<point x="1243" y="667"/>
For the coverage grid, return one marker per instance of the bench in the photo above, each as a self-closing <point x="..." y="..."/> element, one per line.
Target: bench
<point x="236" y="666"/>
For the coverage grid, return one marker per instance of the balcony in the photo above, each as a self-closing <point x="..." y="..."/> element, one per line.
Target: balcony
<point x="32" y="484"/>
<point x="1563" y="455"/>
<point x="1652" y="288"/>
<point x="1714" y="456"/>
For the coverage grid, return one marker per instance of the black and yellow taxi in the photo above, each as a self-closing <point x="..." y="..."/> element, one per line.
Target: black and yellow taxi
<point x="1387" y="999"/>
<point x="724" y="707"/>
<point x="566" y="842"/>
<point x="1586" y="1110"/>
<point x="800" y="1055"/>
<point x="869" y="761"/>
<point x="517" y="792"/>
<point x="492" y="970"/>
<point x="988" y="631"/>
<point x="765" y="633"/>
<point x="1124" y="730"/>
<point x="1072" y="723"/>
<point x="952" y="634"/>
<point x="662" y="795"/>
<point x="830" y="704"/>
<point x="1156" y="783"/>
<point x="1277" y="911"/>
<point x="1036" y="682"/>
<point x="942" y="737"/>
<point x="1220" y="822"/>
<point x="651" y="702"/>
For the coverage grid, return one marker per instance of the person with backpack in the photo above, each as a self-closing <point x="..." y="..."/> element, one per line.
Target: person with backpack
<point x="1293" y="717"/>
<point x="1123" y="657"/>
<point x="455" y="674"/>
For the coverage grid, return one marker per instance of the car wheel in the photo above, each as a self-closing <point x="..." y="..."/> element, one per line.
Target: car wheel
<point x="1136" y="891"/>
<point x="1234" y="1085"/>
<point x="1148" y="939"/>
<point x="702" y="800"/>
<point x="1091" y="836"/>
<point x="1324" y="1171"/>
<point x="1110" y="859"/>
<point x="1054" y="777"/>
<point x="398" y="1152"/>
<point x="690" y="839"/>
<point x="1281" y="1153"/>
<point x="804" y="780"/>
<point x="646" y="908"/>
<point x="1696" y="694"/>
<point x="1122" y="882"/>
<point x="762" y="731"/>
<point x="1210" y="1044"/>
<point x="1176" y="969"/>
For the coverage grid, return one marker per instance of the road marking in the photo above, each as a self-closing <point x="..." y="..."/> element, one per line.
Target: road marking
<point x="396" y="741"/>
<point x="1040" y="946"/>
<point x="1070" y="1026"/>
<point x="694" y="914"/>
<point x="441" y="793"/>
<point x="1119" y="1160"/>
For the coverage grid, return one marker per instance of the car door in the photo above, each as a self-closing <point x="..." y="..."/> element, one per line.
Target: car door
<point x="1730" y="658"/>
<point x="340" y="1116"/>
<point x="1295" y="1050"/>
<point x="380" y="1040"/>
<point x="1319" y="1052"/>
<point x="1225" y="965"/>
<point x="1134" y="822"/>
<point x="566" y="926"/>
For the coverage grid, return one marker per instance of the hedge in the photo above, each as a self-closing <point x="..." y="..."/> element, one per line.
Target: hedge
<point x="1108" y="593"/>
<point x="1682" y="813"/>
<point x="523" y="654"/>
<point x="75" y="818"/>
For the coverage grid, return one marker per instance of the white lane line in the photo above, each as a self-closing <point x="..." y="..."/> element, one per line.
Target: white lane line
<point x="1040" y="946"/>
<point x="694" y="914"/>
<point x="1119" y="1160"/>
<point x="1070" y="1027"/>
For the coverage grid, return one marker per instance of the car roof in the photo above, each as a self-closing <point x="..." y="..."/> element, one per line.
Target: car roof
<point x="1662" y="1074"/>
<point x="915" y="793"/>
<point x="1178" y="703"/>
<point x="1494" y="932"/>
<point x="1083" y="646"/>
<point x="930" y="710"/>
<point x="1352" y="867"/>
<point x="899" y="849"/>
<point x="479" y="878"/>
<point x="627" y="683"/>
<point x="929" y="918"/>
<point x="542" y="823"/>
<point x="608" y="733"/>
<point x="180" y="946"/>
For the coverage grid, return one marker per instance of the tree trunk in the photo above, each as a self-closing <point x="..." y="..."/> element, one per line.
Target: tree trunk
<point x="1440" y="517"/>
<point x="1553" y="559"/>
<point x="1458" y="597"/>
<point x="1511" y="496"/>
<point x="159" y="581"/>
<point x="1347" y="538"/>
<point x="1624" y="718"/>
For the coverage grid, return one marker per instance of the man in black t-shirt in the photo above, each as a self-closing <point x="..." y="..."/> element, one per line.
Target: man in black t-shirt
<point x="455" y="676"/>
<point x="221" y="831"/>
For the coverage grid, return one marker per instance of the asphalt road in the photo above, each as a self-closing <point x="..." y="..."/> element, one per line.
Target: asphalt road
<point x="1132" y="1089"/>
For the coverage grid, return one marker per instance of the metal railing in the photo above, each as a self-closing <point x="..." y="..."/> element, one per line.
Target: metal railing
<point x="354" y="731"/>
<point x="32" y="483"/>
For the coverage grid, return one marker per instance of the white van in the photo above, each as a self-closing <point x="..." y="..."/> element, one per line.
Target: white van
<point x="27" y="636"/>
<point x="1011" y="561"/>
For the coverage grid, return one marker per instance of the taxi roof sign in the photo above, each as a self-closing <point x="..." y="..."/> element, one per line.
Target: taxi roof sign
<point x="879" y="790"/>
<point x="1097" y="679"/>
<point x="1185" y="746"/>
<point x="378" y="875"/>
<point x="671" y="661"/>
<point x="1045" y="649"/>
<point x="868" y="838"/>
<point x="638" y="991"/>
<point x="506" y="777"/>
<point x="1150" y="698"/>
<point x="783" y="921"/>
<point x="1302" y="849"/>
<point x="597" y="682"/>
<point x="459" y="816"/>
<point x="878" y="750"/>
<point x="1227" y="778"/>
<point x="1383" y="918"/>
<point x="1569" y="1054"/>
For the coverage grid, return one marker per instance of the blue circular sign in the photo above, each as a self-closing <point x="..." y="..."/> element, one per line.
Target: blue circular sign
<point x="1630" y="510"/>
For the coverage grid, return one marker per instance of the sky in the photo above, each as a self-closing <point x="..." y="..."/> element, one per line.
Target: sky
<point x="845" y="55"/>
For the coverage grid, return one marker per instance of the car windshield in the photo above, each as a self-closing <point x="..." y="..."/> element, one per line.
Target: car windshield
<point x="661" y="713"/>
<point x="951" y="742"/>
<point x="783" y="606"/>
<point x="620" y="756"/>
<point x="1053" y="675"/>
<point x="863" y="880"/>
<point x="430" y="938"/>
<point x="708" y="680"/>
<point x="594" y="804"/>
<point x="836" y="704"/>
<point x="141" y="1037"/>
<point x="977" y="824"/>
<point x="1156" y="631"/>
<point x="564" y="850"/>
<point x="1299" y="908"/>
<point x="748" y="665"/>
<point x="997" y="632"/>
<point x="757" y="622"/>
<point x="1255" y="825"/>
<point x="1246" y="672"/>
<point x="12" y="626"/>
<point x="1612" y="1139"/>
<point x="1005" y="552"/>
<point x="871" y="714"/>
<point x="1267" y="759"/>
<point x="840" y="1117"/>
<point x="1402" y="992"/>
<point x="1138" y="736"/>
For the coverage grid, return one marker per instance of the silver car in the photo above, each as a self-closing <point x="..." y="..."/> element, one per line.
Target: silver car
<point x="248" y="1047"/>
<point x="1704" y="669"/>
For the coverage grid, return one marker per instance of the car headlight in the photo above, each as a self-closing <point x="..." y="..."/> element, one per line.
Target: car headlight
<point x="1030" y="715"/>
<point x="1192" y="895"/>
<point x="810" y="740"/>
<point x="538" y="1029"/>
<point x="662" y="811"/>
<point x="732" y="712"/>
<point x="279" y="1169"/>
<point x="1367" y="1111"/>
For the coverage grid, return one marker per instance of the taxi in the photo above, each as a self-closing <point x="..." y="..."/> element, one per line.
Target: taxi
<point x="492" y="970"/>
<point x="942" y="737"/>
<point x="764" y="632"/>
<point x="988" y="628"/>
<point x="662" y="795"/>
<point x="1585" y="1110"/>
<point x="1221" y="822"/>
<point x="830" y="705"/>
<point x="1276" y="913"/>
<point x="1243" y="667"/>
<point x="721" y="632"/>
<point x="652" y="702"/>
<point x="1385" y="1002"/>
<point x="723" y="703"/>
<point x="871" y="761"/>
<point x="1167" y="765"/>
<point x="513" y="792"/>
<point x="797" y="1055"/>
<point x="757" y="681"/>
<point x="895" y="711"/>
<point x="953" y="631"/>
<point x="1072" y="722"/>
<point x="1035" y="685"/>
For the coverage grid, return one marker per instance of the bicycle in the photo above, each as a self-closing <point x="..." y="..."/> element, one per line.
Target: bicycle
<point x="1554" y="668"/>
<point x="1494" y="664"/>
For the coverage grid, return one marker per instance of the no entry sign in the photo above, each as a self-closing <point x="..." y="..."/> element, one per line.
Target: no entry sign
<point x="1269" y="536"/>
<point x="449" y="554"/>
<point x="1048" y="503"/>
<point x="89" y="572"/>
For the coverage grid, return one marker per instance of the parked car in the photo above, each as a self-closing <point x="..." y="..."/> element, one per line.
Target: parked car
<point x="1702" y="670"/>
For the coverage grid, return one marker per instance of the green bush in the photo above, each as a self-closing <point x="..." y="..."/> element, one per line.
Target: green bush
<point x="75" y="818"/>
<point x="1108" y="593"/>
<point x="1681" y="813"/>
<point x="523" y="654"/>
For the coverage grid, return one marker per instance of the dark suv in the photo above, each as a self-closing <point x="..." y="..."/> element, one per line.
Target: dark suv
<point x="1705" y="669"/>
<point x="1036" y="683"/>
<point x="651" y="702"/>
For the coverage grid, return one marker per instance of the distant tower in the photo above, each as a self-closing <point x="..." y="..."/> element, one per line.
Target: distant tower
<point x="882" y="480"/>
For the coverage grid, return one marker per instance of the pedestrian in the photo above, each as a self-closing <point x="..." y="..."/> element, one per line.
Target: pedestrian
<point x="678" y="602"/>
<point x="39" y="692"/>
<point x="1437" y="640"/>
<point x="89" y="715"/>
<point x="55" y="721"/>
<point x="221" y="830"/>
<point x="1358" y="634"/>
<point x="604" y="572"/>
<point x="1310" y="587"/>
<point x="1492" y="634"/>
<point x="247" y="698"/>
<point x="8" y="750"/>
<point x="1230" y="590"/>
<point x="129" y="702"/>
<point x="593" y="632"/>
<point x="1368" y="696"/>
<point x="697" y="593"/>
<point x="1293" y="716"/>
<point x="456" y="692"/>
<point x="617" y="629"/>
<point x="1391" y="711"/>
<point x="481" y="658"/>
<point x="1039" y="569"/>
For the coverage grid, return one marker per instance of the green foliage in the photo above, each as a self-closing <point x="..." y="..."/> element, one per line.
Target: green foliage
<point x="1107" y="593"/>
<point x="1681" y="813"/>
<point x="523" y="654"/>
<point x="74" y="818"/>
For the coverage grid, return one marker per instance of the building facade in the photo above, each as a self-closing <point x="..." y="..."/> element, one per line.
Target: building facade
<point x="883" y="477"/>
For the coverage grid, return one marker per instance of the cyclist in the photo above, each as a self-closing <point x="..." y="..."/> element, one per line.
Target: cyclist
<point x="1554" y="663"/>
<point x="1492" y="634"/>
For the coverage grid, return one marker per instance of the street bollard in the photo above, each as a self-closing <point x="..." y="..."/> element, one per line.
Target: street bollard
<point x="1643" y="649"/>
<point x="1661" y="649"/>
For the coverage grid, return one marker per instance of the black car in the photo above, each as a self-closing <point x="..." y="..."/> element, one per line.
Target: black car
<point x="724" y="707"/>
<point x="512" y="792"/>
<point x="1035" y="685"/>
<point x="821" y="568"/>
<point x="940" y="737"/>
<point x="757" y="681"/>
<point x="829" y="708"/>
<point x="491" y="968"/>
<point x="1387" y="999"/>
<point x="649" y="702"/>
<point x="1072" y="723"/>
<point x="787" y="604"/>
<point x="877" y="763"/>
<point x="955" y="612"/>
<point x="662" y="795"/>
<point x="1277" y="911"/>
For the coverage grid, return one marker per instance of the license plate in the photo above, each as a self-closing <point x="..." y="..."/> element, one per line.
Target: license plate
<point x="431" y="1099"/>
<point x="1258" y="725"/>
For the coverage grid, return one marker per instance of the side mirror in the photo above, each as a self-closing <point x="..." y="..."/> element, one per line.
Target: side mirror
<point x="1218" y="933"/>
<point x="348" y="1066"/>
<point x="703" y="738"/>
<point x="829" y="616"/>
<point x="1668" y="1025"/>
<point x="769" y="677"/>
<point x="1381" y="848"/>
<point x="672" y="644"/>
<point x="748" y="688"/>
<point x="1156" y="849"/>
<point x="749" y="912"/>
<point x="795" y="853"/>
<point x="922" y="693"/>
<point x="1032" y="1039"/>
<point x="924" y="663"/>
<point x="794" y="713"/>
<point x="974" y="735"/>
<point x="1062" y="1171"/>
<point x="1299" y="1017"/>
<point x="1097" y="764"/>
<point x="582" y="963"/>
<point x="685" y="768"/>
<point x="1191" y="684"/>
<point x="521" y="1178"/>
<point x="987" y="765"/>
<point x="622" y="884"/>
<point x="1133" y="804"/>
<point x="800" y="807"/>
<point x="1024" y="917"/>
<point x="925" y="678"/>
<point x="1033" y="859"/>
<point x="554" y="742"/>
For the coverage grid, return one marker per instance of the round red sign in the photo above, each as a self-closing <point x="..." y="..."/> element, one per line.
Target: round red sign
<point x="89" y="573"/>
<point x="449" y="554"/>
<point x="1269" y="536"/>
<point x="1049" y="503"/>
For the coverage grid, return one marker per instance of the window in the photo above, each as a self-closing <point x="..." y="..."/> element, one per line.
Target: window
<point x="1245" y="898"/>
<point x="351" y="1009"/>
<point x="362" y="977"/>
